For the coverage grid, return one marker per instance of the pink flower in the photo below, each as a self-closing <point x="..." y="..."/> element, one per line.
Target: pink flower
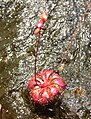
<point x="40" y="24"/>
<point x="46" y="87"/>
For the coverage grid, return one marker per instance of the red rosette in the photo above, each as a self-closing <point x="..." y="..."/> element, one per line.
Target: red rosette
<point x="46" y="87"/>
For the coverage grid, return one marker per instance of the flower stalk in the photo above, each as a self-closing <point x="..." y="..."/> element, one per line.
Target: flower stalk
<point x="74" y="34"/>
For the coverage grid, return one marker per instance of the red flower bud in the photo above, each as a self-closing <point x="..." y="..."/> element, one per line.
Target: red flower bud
<point x="37" y="31"/>
<point x="44" y="17"/>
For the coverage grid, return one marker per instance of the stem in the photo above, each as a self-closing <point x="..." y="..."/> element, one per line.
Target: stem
<point x="36" y="55"/>
<point x="0" y="111"/>
<point x="73" y="36"/>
